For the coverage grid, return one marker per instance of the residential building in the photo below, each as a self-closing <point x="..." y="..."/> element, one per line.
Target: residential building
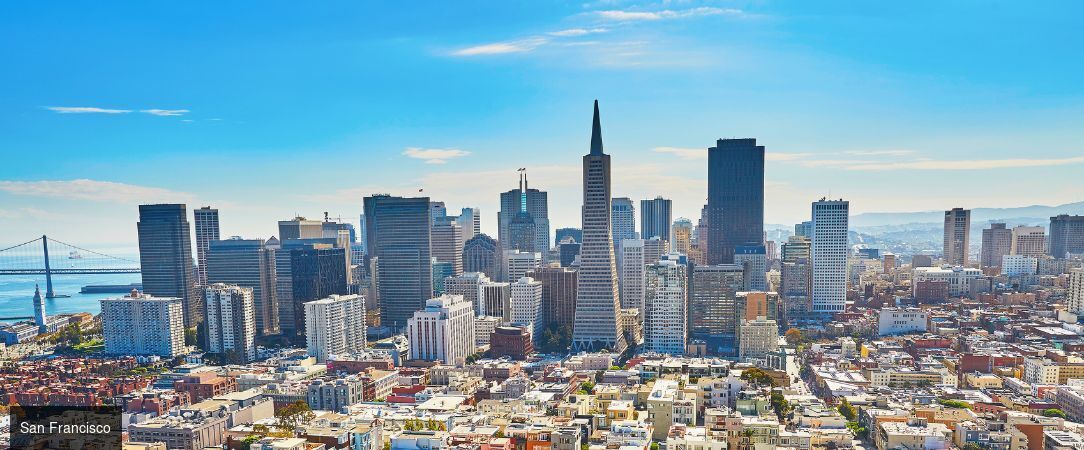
<point x="248" y="263"/>
<point x="1075" y="292"/>
<point x="335" y="325"/>
<point x="1014" y="265"/>
<point x="165" y="255"/>
<point x="757" y="338"/>
<point x="665" y="306"/>
<point x="598" y="301"/>
<point x="443" y="331"/>
<point x="141" y="324"/>
<point x="231" y="321"/>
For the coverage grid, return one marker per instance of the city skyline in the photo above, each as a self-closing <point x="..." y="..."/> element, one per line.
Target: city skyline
<point x="840" y="120"/>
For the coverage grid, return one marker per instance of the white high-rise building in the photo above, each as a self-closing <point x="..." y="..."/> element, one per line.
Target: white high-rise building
<point x="443" y="331"/>
<point x="1013" y="265"/>
<point x="526" y="305"/>
<point x="231" y="320"/>
<point x="518" y="263"/>
<point x="1076" y="291"/>
<point x="206" y="228"/>
<point x="335" y="326"/>
<point x="757" y="338"/>
<point x="598" y="301"/>
<point x="666" y="314"/>
<point x="495" y="300"/>
<point x="139" y="324"/>
<point x="470" y="222"/>
<point x="469" y="285"/>
<point x="631" y="277"/>
<point x="828" y="251"/>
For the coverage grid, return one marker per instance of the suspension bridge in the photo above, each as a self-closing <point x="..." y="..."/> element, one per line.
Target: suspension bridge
<point x="45" y="256"/>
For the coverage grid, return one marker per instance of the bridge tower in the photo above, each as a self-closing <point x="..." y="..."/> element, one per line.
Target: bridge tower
<point x="48" y="271"/>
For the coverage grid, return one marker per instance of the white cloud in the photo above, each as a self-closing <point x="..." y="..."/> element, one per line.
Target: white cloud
<point x="434" y="155"/>
<point x="500" y="48"/>
<point x="636" y="16"/>
<point x="977" y="164"/>
<point x="86" y="110"/>
<point x="880" y="152"/>
<point x="573" y="32"/>
<point x="93" y="190"/>
<point x="164" y="112"/>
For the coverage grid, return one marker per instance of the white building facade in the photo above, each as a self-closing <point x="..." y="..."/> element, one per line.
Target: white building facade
<point x="893" y="321"/>
<point x="231" y="320"/>
<point x="443" y="331"/>
<point x="139" y="324"/>
<point x="335" y="326"/>
<point x="526" y="305"/>
<point x="829" y="251"/>
<point x="666" y="312"/>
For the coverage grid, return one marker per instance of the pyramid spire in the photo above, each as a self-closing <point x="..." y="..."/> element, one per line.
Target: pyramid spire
<point x="596" y="133"/>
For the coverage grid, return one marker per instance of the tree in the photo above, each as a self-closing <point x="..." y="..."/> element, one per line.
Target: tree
<point x="190" y="336"/>
<point x="860" y="431"/>
<point x="757" y="376"/>
<point x="294" y="414"/>
<point x="588" y="387"/>
<point x="950" y="403"/>
<point x="847" y="411"/>
<point x="1053" y="412"/>
<point x="654" y="446"/>
<point x="780" y="405"/>
<point x="793" y="336"/>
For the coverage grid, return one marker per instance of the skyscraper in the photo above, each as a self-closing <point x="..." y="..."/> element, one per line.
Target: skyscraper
<point x="575" y="233"/>
<point x="442" y="331"/>
<point x="398" y="233"/>
<point x="754" y="260"/>
<point x="300" y="228"/>
<point x="335" y="325"/>
<point x="996" y="243"/>
<point x="482" y="254"/>
<point x="248" y="263"/>
<point x="470" y="221"/>
<point x="140" y="324"/>
<point x="517" y="263"/>
<point x="447" y="244"/>
<point x="598" y="303"/>
<point x="231" y="323"/>
<point x="623" y="221"/>
<point x="829" y="252"/>
<point x="1028" y="241"/>
<point x="735" y="198"/>
<point x="1066" y="235"/>
<point x="632" y="275"/>
<point x="206" y="223"/>
<point x="558" y="294"/>
<point x="165" y="255"/>
<point x="530" y="204"/>
<point x="316" y="273"/>
<point x="655" y="218"/>
<point x="712" y="309"/>
<point x="525" y="305"/>
<point x="957" y="236"/>
<point x="666" y="309"/>
<point x="681" y="235"/>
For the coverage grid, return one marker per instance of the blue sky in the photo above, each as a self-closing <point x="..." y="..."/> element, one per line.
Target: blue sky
<point x="267" y="109"/>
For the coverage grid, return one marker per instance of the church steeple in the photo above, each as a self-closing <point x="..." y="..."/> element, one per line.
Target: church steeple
<point x="596" y="133"/>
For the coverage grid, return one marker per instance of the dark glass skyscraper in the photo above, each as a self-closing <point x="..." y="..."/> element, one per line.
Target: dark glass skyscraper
<point x="317" y="272"/>
<point x="165" y="255"/>
<point x="1066" y="235"/>
<point x="655" y="218"/>
<point x="735" y="207"/>
<point x="397" y="230"/>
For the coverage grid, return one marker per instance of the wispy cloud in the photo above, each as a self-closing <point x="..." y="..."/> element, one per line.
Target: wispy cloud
<point x="637" y="16"/>
<point x="86" y="110"/>
<point x="500" y="48"/>
<point x="573" y="32"/>
<point x="93" y="190"/>
<point x="880" y="152"/>
<point x="976" y="164"/>
<point x="434" y="155"/>
<point x="164" y="112"/>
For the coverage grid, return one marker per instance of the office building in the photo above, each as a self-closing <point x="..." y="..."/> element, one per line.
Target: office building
<point x="575" y="233"/>
<point x="248" y="263"/>
<point x="1028" y="241"/>
<point x="398" y="236"/>
<point x="568" y="252"/>
<point x="622" y="222"/>
<point x="316" y="273"/>
<point x="496" y="297"/>
<point x="797" y="247"/>
<point x="531" y="205"/>
<point x="796" y="278"/>
<point x="437" y="210"/>
<point x="468" y="285"/>
<point x="655" y="218"/>
<point x="165" y="255"/>
<point x="206" y="226"/>
<point x="735" y="206"/>
<point x="470" y="222"/>
<point x="957" y="236"/>
<point x="525" y="305"/>
<point x="828" y="253"/>
<point x="753" y="304"/>
<point x="681" y="234"/>
<point x="996" y="242"/>
<point x="1075" y="292"/>
<point x="143" y="325"/>
<point x="447" y="244"/>
<point x="513" y="342"/>
<point x="231" y="322"/>
<point x="598" y="301"/>
<point x="666" y="309"/>
<point x="300" y="228"/>
<point x="631" y="279"/>
<point x="1066" y="235"/>
<point x="804" y="229"/>
<point x="443" y="331"/>
<point x="335" y="325"/>
<point x="757" y="337"/>
<point x="517" y="263"/>
<point x="558" y="295"/>
<point x="482" y="254"/>
<point x="712" y="304"/>
<point x="755" y="262"/>
<point x="362" y="239"/>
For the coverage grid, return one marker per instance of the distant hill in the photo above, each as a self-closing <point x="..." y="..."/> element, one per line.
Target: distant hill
<point x="1018" y="215"/>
